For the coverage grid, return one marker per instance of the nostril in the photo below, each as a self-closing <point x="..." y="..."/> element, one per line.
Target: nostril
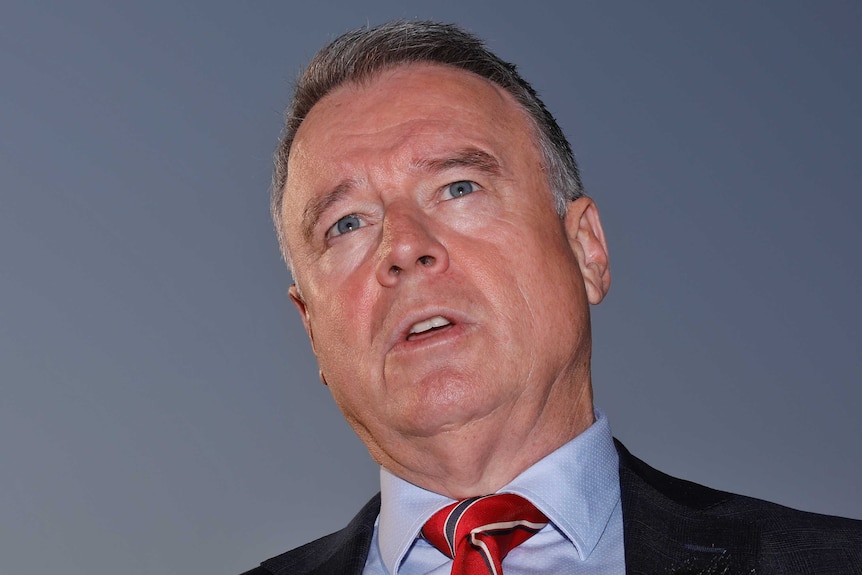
<point x="427" y="261"/>
<point x="394" y="270"/>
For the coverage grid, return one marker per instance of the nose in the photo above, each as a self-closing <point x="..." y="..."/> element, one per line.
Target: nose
<point x="408" y="246"/>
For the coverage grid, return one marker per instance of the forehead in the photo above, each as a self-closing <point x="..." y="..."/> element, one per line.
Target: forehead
<point x="432" y="94"/>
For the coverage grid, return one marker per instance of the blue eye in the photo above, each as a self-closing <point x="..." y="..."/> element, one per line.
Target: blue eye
<point x="458" y="189"/>
<point x="345" y="225"/>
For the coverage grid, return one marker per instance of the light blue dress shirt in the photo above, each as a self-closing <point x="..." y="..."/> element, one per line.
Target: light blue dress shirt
<point x="577" y="487"/>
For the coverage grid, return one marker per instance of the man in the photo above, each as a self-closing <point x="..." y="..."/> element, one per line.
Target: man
<point x="444" y="257"/>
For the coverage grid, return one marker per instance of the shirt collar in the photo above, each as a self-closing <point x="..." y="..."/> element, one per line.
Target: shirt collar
<point x="577" y="487"/>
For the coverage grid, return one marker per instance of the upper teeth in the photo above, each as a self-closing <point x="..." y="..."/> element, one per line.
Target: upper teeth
<point x="436" y="321"/>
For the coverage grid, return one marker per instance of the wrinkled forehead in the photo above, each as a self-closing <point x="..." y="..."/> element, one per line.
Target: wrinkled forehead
<point x="426" y="91"/>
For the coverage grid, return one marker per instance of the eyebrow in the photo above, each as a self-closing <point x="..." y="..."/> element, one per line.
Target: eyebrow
<point x="465" y="158"/>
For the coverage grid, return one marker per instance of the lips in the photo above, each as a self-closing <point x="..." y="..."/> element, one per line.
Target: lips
<point x="426" y="327"/>
<point x="425" y="324"/>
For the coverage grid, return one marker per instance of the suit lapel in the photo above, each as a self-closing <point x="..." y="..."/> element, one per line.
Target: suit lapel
<point x="343" y="552"/>
<point x="668" y="528"/>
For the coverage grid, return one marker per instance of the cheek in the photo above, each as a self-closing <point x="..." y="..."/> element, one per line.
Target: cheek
<point x="533" y="276"/>
<point x="340" y="320"/>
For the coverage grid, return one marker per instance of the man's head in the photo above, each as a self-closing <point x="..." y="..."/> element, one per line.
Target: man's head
<point x="359" y="55"/>
<point x="445" y="297"/>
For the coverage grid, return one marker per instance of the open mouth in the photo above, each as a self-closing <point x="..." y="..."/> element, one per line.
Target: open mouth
<point x="428" y="327"/>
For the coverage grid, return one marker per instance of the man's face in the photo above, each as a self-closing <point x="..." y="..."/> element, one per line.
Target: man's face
<point x="439" y="287"/>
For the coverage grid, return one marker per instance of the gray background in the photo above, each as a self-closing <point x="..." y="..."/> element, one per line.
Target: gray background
<point x="159" y="406"/>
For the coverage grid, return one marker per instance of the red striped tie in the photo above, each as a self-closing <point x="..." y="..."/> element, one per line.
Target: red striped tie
<point x="478" y="533"/>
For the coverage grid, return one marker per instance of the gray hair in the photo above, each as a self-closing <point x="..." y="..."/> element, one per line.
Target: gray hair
<point x="358" y="55"/>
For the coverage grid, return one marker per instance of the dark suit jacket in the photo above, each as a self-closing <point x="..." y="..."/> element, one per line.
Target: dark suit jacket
<point x="670" y="526"/>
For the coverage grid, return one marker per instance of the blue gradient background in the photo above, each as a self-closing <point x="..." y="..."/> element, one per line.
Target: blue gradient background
<point x="160" y="410"/>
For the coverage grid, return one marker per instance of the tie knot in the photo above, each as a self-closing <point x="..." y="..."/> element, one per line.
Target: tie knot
<point x="482" y="530"/>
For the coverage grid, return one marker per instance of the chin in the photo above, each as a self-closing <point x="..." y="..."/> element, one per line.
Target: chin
<point x="448" y="404"/>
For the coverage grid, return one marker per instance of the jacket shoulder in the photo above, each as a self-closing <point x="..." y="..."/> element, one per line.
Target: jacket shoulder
<point x="344" y="551"/>
<point x="783" y="540"/>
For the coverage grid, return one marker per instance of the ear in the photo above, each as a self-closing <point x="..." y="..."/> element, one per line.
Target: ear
<point x="587" y="240"/>
<point x="297" y="300"/>
<point x="300" y="304"/>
